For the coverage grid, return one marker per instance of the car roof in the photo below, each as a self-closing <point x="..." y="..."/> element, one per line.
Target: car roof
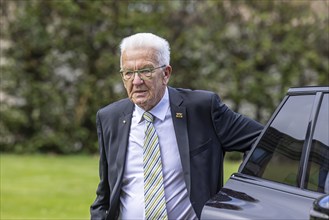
<point x="307" y="90"/>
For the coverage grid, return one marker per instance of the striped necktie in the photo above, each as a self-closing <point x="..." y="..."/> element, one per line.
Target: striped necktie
<point x="155" y="203"/>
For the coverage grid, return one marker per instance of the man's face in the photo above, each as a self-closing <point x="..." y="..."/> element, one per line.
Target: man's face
<point x="146" y="92"/>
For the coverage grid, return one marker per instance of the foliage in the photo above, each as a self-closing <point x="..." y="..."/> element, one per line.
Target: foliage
<point x="60" y="60"/>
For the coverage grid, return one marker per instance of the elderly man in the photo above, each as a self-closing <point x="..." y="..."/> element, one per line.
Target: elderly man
<point x="162" y="148"/>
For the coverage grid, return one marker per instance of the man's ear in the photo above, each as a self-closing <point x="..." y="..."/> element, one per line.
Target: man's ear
<point x="166" y="74"/>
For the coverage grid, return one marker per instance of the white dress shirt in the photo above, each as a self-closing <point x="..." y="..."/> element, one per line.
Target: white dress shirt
<point x="132" y="193"/>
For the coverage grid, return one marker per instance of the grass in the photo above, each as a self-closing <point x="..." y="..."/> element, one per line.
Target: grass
<point x="51" y="187"/>
<point x="229" y="168"/>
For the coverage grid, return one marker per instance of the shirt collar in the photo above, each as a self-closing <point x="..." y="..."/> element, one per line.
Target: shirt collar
<point x="159" y="111"/>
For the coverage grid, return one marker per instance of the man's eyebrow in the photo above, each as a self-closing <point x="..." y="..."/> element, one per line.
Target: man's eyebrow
<point x="147" y="66"/>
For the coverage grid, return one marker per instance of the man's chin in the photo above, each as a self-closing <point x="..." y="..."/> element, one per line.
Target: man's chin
<point x="139" y="102"/>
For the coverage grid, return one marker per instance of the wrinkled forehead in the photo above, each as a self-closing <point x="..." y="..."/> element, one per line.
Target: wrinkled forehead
<point x="135" y="57"/>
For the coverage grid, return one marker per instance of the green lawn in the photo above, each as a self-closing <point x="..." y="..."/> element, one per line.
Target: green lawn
<point x="51" y="187"/>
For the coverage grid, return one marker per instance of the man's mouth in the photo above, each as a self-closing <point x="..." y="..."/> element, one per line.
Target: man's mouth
<point x="140" y="93"/>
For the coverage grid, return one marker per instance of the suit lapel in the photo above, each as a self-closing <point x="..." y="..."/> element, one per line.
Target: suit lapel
<point x="118" y="156"/>
<point x="123" y="128"/>
<point x="179" y="118"/>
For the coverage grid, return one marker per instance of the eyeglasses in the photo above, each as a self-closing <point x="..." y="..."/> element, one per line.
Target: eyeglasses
<point x="142" y="73"/>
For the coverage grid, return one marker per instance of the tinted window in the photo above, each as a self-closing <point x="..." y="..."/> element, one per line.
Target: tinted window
<point x="318" y="167"/>
<point x="277" y="155"/>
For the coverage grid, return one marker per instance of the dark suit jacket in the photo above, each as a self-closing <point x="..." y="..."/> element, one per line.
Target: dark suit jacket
<point x="205" y="131"/>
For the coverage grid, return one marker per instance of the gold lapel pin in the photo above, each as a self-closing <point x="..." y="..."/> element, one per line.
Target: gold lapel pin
<point x="179" y="115"/>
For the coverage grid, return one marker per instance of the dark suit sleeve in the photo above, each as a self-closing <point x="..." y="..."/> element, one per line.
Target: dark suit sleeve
<point x="98" y="209"/>
<point x="235" y="131"/>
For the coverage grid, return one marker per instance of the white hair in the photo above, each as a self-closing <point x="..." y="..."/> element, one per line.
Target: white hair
<point x="147" y="40"/>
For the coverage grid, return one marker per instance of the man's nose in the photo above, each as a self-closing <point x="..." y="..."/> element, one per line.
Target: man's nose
<point x="137" y="79"/>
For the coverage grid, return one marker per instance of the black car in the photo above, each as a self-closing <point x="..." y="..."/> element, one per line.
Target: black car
<point x="287" y="169"/>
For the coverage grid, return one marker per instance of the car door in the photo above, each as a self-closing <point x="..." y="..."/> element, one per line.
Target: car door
<point x="287" y="168"/>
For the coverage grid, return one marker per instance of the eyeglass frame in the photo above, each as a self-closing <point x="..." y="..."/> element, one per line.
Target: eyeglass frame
<point x="140" y="73"/>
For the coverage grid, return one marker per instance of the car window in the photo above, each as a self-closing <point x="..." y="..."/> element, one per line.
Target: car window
<point x="277" y="155"/>
<point x="318" y="167"/>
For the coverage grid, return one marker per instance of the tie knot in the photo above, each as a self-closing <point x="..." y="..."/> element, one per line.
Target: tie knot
<point x="148" y="117"/>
